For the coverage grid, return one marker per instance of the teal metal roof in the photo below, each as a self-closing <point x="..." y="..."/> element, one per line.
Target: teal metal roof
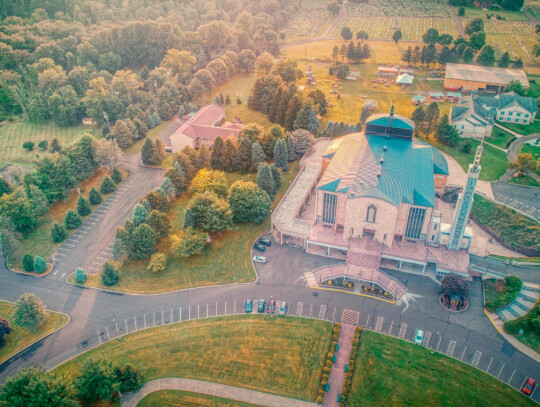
<point x="396" y="120"/>
<point x="331" y="186"/>
<point x="440" y="165"/>
<point x="418" y="97"/>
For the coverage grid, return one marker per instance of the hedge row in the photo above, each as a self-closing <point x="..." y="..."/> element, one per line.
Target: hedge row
<point x="350" y="369"/>
<point x="512" y="288"/>
<point x="528" y="322"/>
<point x="328" y="364"/>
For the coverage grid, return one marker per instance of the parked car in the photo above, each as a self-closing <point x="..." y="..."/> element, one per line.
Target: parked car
<point x="283" y="309"/>
<point x="261" y="305"/>
<point x="259" y="247"/>
<point x="528" y="386"/>
<point x="265" y="242"/>
<point x="249" y="306"/>
<point x="271" y="306"/>
<point x="419" y="337"/>
<point x="260" y="259"/>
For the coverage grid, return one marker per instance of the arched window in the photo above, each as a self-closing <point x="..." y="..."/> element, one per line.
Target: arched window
<point x="371" y="214"/>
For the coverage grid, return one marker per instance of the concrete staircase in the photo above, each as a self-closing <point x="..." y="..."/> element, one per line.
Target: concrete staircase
<point x="524" y="302"/>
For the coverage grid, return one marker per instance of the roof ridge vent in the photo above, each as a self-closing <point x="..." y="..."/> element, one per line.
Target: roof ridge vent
<point x="385" y="148"/>
<point x="382" y="160"/>
<point x="379" y="174"/>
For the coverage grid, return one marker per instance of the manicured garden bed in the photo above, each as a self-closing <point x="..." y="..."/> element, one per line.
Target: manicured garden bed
<point x="377" y="291"/>
<point x="175" y="398"/>
<point x="20" y="338"/>
<point x="384" y="377"/>
<point x="275" y="355"/>
<point x="501" y="292"/>
<point x="528" y="323"/>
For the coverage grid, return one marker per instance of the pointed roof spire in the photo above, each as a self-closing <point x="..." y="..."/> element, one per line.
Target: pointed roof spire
<point x="392" y="110"/>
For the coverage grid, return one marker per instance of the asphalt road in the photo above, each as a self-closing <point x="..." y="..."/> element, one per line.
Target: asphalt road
<point x="97" y="316"/>
<point x="526" y="199"/>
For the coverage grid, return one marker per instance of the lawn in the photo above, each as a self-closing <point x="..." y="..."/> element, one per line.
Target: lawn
<point x="226" y="261"/>
<point x="494" y="162"/>
<point x="531" y="339"/>
<point x="524" y="129"/>
<point x="171" y="398"/>
<point x="281" y="356"/>
<point x="526" y="180"/>
<point x="471" y="13"/>
<point x="39" y="242"/>
<point x="512" y="229"/>
<point x="530" y="149"/>
<point x="13" y="135"/>
<point x="383" y="376"/>
<point x="500" y="138"/>
<point x="20" y="338"/>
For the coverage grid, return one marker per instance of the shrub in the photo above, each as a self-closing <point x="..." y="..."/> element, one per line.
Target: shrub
<point x="59" y="233"/>
<point x="325" y="377"/>
<point x="512" y="288"/>
<point x="335" y="337"/>
<point x="326" y="369"/>
<point x="39" y="264"/>
<point x="116" y="175"/>
<point x="107" y="186"/>
<point x="319" y="400"/>
<point x="109" y="275"/>
<point x="28" y="262"/>
<point x="73" y="221"/>
<point x="95" y="197"/>
<point x="81" y="275"/>
<point x="43" y="144"/>
<point x="83" y="207"/>
<point x="330" y="355"/>
<point x="28" y="145"/>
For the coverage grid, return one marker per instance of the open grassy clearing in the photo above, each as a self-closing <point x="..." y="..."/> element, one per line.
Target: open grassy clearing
<point x="281" y="356"/>
<point x="171" y="398"/>
<point x="524" y="129"/>
<point x="226" y="260"/>
<point x="382" y="376"/>
<point x="500" y="138"/>
<point x="20" y="338"/>
<point x="39" y="241"/>
<point x="531" y="339"/>
<point x="13" y="135"/>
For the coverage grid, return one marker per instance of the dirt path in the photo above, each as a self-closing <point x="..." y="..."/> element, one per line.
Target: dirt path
<point x="456" y="18"/>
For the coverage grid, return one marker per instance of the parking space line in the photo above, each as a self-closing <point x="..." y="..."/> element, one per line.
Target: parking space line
<point x="402" y="330"/>
<point x="322" y="311"/>
<point x="102" y="258"/>
<point x="476" y="358"/>
<point x="378" y="325"/>
<point x="299" y="308"/>
<point x="59" y="254"/>
<point x="451" y="348"/>
<point x="95" y="262"/>
<point x="427" y="337"/>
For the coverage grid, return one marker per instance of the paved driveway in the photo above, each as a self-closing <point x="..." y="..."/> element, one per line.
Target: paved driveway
<point x="526" y="199"/>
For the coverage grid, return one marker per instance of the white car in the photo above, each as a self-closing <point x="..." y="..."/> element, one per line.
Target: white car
<point x="419" y="337"/>
<point x="259" y="259"/>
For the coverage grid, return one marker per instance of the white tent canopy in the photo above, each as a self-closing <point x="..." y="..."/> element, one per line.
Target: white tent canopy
<point x="405" y="79"/>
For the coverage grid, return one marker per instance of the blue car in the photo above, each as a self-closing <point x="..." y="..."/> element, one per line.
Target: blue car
<point x="249" y="306"/>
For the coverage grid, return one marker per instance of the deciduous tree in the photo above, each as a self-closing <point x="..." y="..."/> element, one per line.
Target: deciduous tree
<point x="159" y="222"/>
<point x="248" y="202"/>
<point x="190" y="243"/>
<point x="210" y="212"/>
<point x="96" y="380"/>
<point x="158" y="262"/>
<point x="29" y="312"/>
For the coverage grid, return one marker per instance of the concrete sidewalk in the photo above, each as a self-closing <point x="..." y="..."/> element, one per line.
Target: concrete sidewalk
<point x="132" y="399"/>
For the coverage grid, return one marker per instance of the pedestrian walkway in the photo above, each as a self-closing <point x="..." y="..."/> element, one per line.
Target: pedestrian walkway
<point x="524" y="302"/>
<point x="337" y="373"/>
<point x="132" y="399"/>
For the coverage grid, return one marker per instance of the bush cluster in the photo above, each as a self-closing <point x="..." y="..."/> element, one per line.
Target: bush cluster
<point x="528" y="322"/>
<point x="328" y="364"/>
<point x="350" y="369"/>
<point x="512" y="288"/>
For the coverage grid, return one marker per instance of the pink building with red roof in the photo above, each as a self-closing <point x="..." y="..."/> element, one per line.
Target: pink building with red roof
<point x="203" y="128"/>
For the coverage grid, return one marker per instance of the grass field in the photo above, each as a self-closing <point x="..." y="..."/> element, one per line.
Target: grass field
<point x="526" y="180"/>
<point x="524" y="129"/>
<point x="281" y="356"/>
<point x="174" y="398"/>
<point x="39" y="242"/>
<point x="226" y="261"/>
<point x="20" y="338"/>
<point x="13" y="135"/>
<point x="500" y="138"/>
<point x="383" y="376"/>
<point x="531" y="339"/>
<point x="471" y="13"/>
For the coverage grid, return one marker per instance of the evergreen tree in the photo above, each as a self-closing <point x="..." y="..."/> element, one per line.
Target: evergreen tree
<point x="446" y="133"/>
<point x="129" y="377"/>
<point x="177" y="177"/>
<point x="28" y="262"/>
<point x="257" y="155"/>
<point x="96" y="380"/>
<point x="276" y="177"/>
<point x="244" y="155"/>
<point x="281" y="155"/>
<point x="107" y="186"/>
<point x="159" y="222"/>
<point x="189" y="219"/>
<point x="293" y="108"/>
<point x="307" y="119"/>
<point x="73" y="221"/>
<point x="186" y="164"/>
<point x="265" y="180"/>
<point x="139" y="215"/>
<point x="29" y="310"/>
<point x="203" y="157"/>
<point x="109" y="275"/>
<point x="55" y="147"/>
<point x="143" y="242"/>
<point x="486" y="56"/>
<point x="290" y="147"/>
<point x="83" y="207"/>
<point x="81" y="275"/>
<point x="167" y="188"/>
<point x="273" y="109"/>
<point x="269" y="140"/>
<point x="116" y="175"/>
<point x="231" y="156"/>
<point x="58" y="233"/>
<point x="5" y="188"/>
<point x="95" y="197"/>
<point x="122" y="134"/>
<point x="148" y="153"/>
<point x="505" y="61"/>
<point x="154" y="200"/>
<point x="432" y="117"/>
<point x="217" y="158"/>
<point x="418" y="117"/>
<point x="364" y="114"/>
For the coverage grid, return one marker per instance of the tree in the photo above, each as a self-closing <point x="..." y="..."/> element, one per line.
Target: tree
<point x="515" y="86"/>
<point x="5" y="188"/>
<point x="362" y="35"/>
<point x="116" y="175"/>
<point x="446" y="133"/>
<point x="346" y="33"/>
<point x="28" y="262"/>
<point x="187" y="166"/>
<point x="430" y="54"/>
<point x="56" y="147"/>
<point x="209" y="180"/>
<point x="190" y="243"/>
<point x="109" y="275"/>
<point x="505" y="61"/>
<point x="461" y="11"/>
<point x="154" y="200"/>
<point x="251" y="131"/>
<point x="281" y="155"/>
<point x="307" y="119"/>
<point x="432" y="117"/>
<point x="59" y="233"/>
<point x="452" y="284"/>
<point x="158" y="262"/>
<point x="244" y="155"/>
<point x="217" y="157"/>
<point x="486" y="56"/>
<point x="248" y="202"/>
<point x="397" y="36"/>
<point x="333" y="8"/>
<point x="418" y="117"/>
<point x="72" y="220"/>
<point x="29" y="312"/>
<point x="96" y="380"/>
<point x="203" y="157"/>
<point x="83" y="206"/>
<point x="517" y="64"/>
<point x="431" y="36"/>
<point x="473" y="26"/>
<point x="33" y="387"/>
<point x="94" y="197"/>
<point x="445" y="39"/>
<point x="129" y="377"/>
<point x="288" y="70"/>
<point x="231" y="155"/>
<point x="246" y="60"/>
<point x="122" y="134"/>
<point x="364" y="114"/>
<point x="257" y="155"/>
<point x="149" y="155"/>
<point x="143" y="240"/>
<point x="28" y="145"/>
<point x="81" y="275"/>
<point x="5" y="329"/>
<point x="294" y="106"/>
<point x="264" y="62"/>
<point x="525" y="162"/>
<point x="478" y="40"/>
<point x="139" y="215"/>
<point x="181" y="63"/>
<point x="302" y="140"/>
<point x="177" y="177"/>
<point x="335" y="52"/>
<point x="408" y="55"/>
<point x="468" y="54"/>
<point x="107" y="186"/>
<point x="466" y="147"/>
<point x="106" y="153"/>
<point x="210" y="212"/>
<point x="159" y="222"/>
<point x="40" y="265"/>
<point x="265" y="180"/>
